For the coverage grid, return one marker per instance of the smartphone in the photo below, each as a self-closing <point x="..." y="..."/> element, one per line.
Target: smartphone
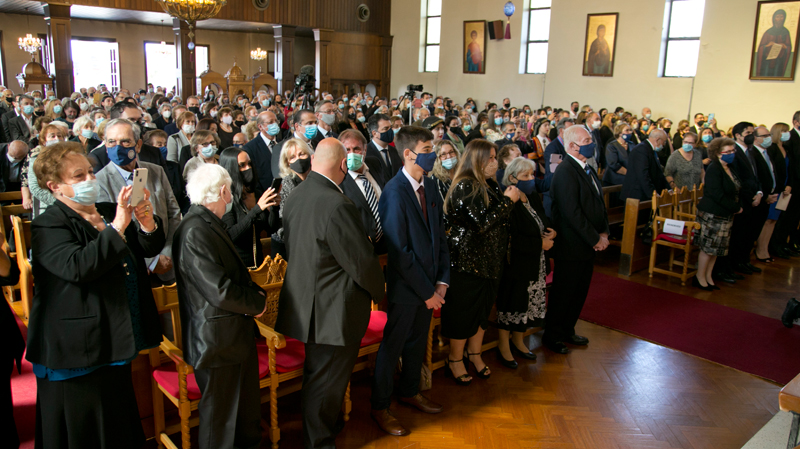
<point x="276" y="184"/>
<point x="139" y="182"/>
<point x="707" y="123"/>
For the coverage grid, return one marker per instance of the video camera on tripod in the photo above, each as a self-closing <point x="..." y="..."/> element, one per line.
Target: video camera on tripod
<point x="411" y="89"/>
<point x="304" y="85"/>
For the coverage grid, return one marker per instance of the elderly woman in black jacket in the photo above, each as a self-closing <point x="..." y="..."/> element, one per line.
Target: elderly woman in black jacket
<point x="93" y="310"/>
<point x="521" y="300"/>
<point x="716" y="210"/>
<point x="249" y="216"/>
<point x="478" y="214"/>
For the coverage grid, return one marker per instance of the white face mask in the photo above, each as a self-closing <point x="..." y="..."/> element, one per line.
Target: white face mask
<point x="227" y="120"/>
<point x="166" y="114"/>
<point x="188" y="129"/>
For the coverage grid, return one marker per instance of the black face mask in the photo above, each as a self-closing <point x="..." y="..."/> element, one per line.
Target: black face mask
<point x="667" y="130"/>
<point x="748" y="140"/>
<point x="507" y="105"/>
<point x="301" y="165"/>
<point x="247" y="176"/>
<point x="700" y="124"/>
<point x="351" y="116"/>
<point x="194" y="109"/>
<point x="38" y="113"/>
<point x="575" y="109"/>
<point x="239" y="123"/>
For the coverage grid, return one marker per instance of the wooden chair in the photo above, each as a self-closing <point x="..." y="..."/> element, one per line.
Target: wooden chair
<point x="22" y="239"/>
<point x="10" y="209"/>
<point x="663" y="207"/>
<point x="697" y="195"/>
<point x="789" y="401"/>
<point x="684" y="204"/>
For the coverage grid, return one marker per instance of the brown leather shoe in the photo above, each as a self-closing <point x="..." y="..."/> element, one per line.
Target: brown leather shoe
<point x="422" y="403"/>
<point x="388" y="422"/>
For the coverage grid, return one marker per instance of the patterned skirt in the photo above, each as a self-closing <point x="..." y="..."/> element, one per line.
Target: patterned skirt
<point x="715" y="233"/>
<point x="521" y="301"/>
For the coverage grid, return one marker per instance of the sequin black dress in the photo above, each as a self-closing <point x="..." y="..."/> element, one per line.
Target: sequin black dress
<point x="478" y="241"/>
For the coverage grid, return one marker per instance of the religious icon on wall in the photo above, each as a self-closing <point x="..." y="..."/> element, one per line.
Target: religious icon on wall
<point x="601" y="40"/>
<point x="775" y="41"/>
<point x="475" y="46"/>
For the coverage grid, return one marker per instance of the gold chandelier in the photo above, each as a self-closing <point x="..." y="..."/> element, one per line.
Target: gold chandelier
<point x="258" y="54"/>
<point x="30" y="44"/>
<point x="191" y="11"/>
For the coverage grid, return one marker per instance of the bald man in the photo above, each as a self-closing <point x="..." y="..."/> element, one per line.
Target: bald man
<point x="333" y="276"/>
<point x="645" y="173"/>
<point x="262" y="147"/>
<point x="12" y="156"/>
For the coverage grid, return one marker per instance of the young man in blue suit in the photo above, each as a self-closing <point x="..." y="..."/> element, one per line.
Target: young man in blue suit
<point x="418" y="274"/>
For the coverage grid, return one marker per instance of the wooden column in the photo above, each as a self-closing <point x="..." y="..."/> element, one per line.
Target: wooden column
<point x="323" y="39"/>
<point x="386" y="67"/>
<point x="187" y="76"/>
<point x="284" y="57"/>
<point x="59" y="40"/>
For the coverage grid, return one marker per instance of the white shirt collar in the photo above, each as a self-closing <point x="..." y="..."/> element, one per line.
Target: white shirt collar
<point x="744" y="148"/>
<point x="381" y="146"/>
<point x="266" y="138"/>
<point x="581" y="163"/>
<point x="414" y="183"/>
<point x="355" y="174"/>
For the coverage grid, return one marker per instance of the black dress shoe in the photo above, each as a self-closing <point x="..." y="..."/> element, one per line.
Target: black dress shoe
<point x="742" y="268"/>
<point x="557" y="347"/>
<point x="753" y="268"/>
<point x="577" y="340"/>
<point x="738" y="277"/>
<point x="525" y="355"/>
<point x="781" y="253"/>
<point x="791" y="312"/>
<point x="512" y="364"/>
<point x="726" y="277"/>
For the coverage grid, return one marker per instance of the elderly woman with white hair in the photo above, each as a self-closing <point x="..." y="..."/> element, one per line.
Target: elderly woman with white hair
<point x="218" y="300"/>
<point x="83" y="132"/>
<point x="522" y="295"/>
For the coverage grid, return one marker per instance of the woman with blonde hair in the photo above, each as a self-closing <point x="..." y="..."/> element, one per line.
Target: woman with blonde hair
<point x="445" y="166"/>
<point x="34" y="197"/>
<point x="294" y="165"/>
<point x="478" y="215"/>
<point x="786" y="176"/>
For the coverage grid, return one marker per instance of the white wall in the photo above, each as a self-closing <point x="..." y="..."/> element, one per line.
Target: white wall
<point x="131" y="37"/>
<point x="721" y="85"/>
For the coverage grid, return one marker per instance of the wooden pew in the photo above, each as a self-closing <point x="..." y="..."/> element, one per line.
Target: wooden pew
<point x="616" y="214"/>
<point x="634" y="254"/>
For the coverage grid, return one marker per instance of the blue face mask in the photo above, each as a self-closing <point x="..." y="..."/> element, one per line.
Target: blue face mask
<point x="84" y="192"/>
<point x="362" y="119"/>
<point x="785" y="136"/>
<point x="767" y="142"/>
<point x="369" y="102"/>
<point x="27" y="109"/>
<point x="708" y="138"/>
<point x="728" y="158"/>
<point x="163" y="151"/>
<point x="427" y="102"/>
<point x="645" y="127"/>
<point x="57" y="109"/>
<point x="448" y="164"/>
<point x="208" y="151"/>
<point x="628" y="138"/>
<point x="87" y="133"/>
<point x="506" y="119"/>
<point x="99" y="121"/>
<point x="237" y="145"/>
<point x="311" y="131"/>
<point x="121" y="155"/>
<point x="587" y="150"/>
<point x="687" y="147"/>
<point x="527" y="187"/>
<point x="341" y="106"/>
<point x="467" y="128"/>
<point x="273" y="128"/>
<point x="426" y="161"/>
<point x="498" y="121"/>
<point x="264" y="103"/>
<point x="388" y="137"/>
<point x="509" y="136"/>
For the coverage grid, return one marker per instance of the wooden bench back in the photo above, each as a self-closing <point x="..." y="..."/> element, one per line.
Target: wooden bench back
<point x="166" y="298"/>
<point x="10" y="209"/>
<point x="22" y="240"/>
<point x="684" y="204"/>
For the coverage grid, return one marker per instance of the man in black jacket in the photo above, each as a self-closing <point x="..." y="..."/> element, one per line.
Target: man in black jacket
<point x="325" y="300"/>
<point x="380" y="129"/>
<point x="217" y="300"/>
<point x="645" y="173"/>
<point x="579" y="216"/>
<point x="12" y="155"/>
<point x="556" y="147"/>
<point x="752" y="198"/>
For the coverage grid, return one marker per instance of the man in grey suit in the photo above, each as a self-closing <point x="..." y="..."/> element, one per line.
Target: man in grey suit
<point x="19" y="127"/>
<point x="325" y="300"/>
<point x="121" y="137"/>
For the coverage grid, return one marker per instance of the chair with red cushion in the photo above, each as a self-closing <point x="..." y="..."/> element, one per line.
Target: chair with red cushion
<point x="666" y="207"/>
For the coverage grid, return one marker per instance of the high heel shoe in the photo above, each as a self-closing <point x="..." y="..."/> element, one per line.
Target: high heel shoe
<point x="484" y="373"/>
<point x="696" y="283"/>
<point x="507" y="363"/>
<point x="526" y="355"/>
<point x="460" y="380"/>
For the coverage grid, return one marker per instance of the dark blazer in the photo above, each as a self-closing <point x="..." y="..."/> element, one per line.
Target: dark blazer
<point x="418" y="253"/>
<point x="244" y="228"/>
<point x="579" y="212"/>
<point x="171" y="129"/>
<point x="151" y="154"/>
<point x="763" y="172"/>
<point x="351" y="190"/>
<point x="386" y="172"/>
<point x="600" y="155"/>
<point x="13" y="346"/>
<point x="98" y="158"/>
<point x="525" y="240"/>
<point x="5" y="166"/>
<point x="645" y="174"/>
<point x="334" y="274"/>
<point x="523" y="146"/>
<point x="161" y="123"/>
<point x="792" y="148"/>
<point x="261" y="158"/>
<point x="215" y="292"/>
<point x="779" y="167"/>
<point x="616" y="158"/>
<point x="318" y="138"/>
<point x="606" y="136"/>
<point x="18" y="129"/>
<point x="91" y="143"/>
<point x="555" y="147"/>
<point x="720" y="193"/>
<point x="80" y="316"/>
<point x="4" y="120"/>
<point x="750" y="184"/>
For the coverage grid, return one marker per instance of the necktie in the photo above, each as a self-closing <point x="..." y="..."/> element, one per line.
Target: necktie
<point x="372" y="200"/>
<point x="421" y="192"/>
<point x="769" y="164"/>
<point x="385" y="153"/>
<point x="271" y="145"/>
<point x="591" y="178"/>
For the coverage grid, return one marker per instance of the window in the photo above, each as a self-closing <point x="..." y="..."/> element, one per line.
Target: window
<point x="98" y="62"/>
<point x="433" y="32"/>
<point x="538" y="36"/>
<point x="681" y="42"/>
<point x="161" y="64"/>
<point x="2" y="62"/>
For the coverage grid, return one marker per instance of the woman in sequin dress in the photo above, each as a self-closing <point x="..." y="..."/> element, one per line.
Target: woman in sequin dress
<point x="521" y="300"/>
<point x="478" y="215"/>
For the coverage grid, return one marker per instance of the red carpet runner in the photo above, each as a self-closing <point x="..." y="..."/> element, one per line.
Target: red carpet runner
<point x="23" y="390"/>
<point x="731" y="337"/>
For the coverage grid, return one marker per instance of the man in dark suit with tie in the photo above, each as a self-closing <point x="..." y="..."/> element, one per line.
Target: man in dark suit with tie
<point x="262" y="149"/>
<point x="218" y="301"/>
<point x="418" y="275"/>
<point x="361" y="187"/>
<point x="19" y="127"/>
<point x="304" y="123"/>
<point x="579" y="217"/>
<point x="788" y="224"/>
<point x="12" y="155"/>
<point x="645" y="174"/>
<point x="556" y="146"/>
<point x="763" y="166"/>
<point x="592" y="126"/>
<point x="325" y="300"/>
<point x="326" y="117"/>
<point x="379" y="127"/>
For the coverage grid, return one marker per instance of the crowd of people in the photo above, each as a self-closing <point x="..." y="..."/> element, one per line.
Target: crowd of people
<point x="470" y="206"/>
